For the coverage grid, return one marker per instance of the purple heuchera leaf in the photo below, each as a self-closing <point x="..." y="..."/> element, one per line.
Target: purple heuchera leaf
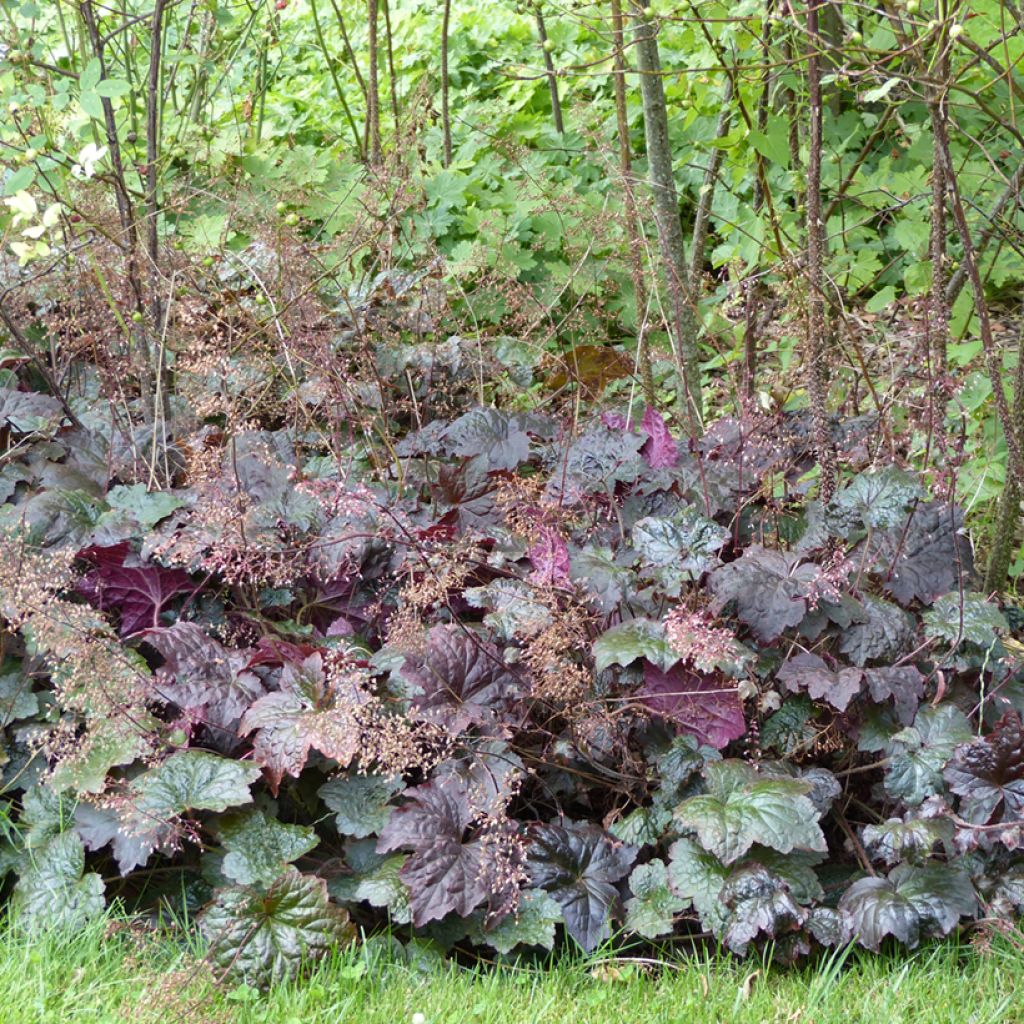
<point x="614" y="420"/>
<point x="138" y="593"/>
<point x="706" y="706"/>
<point x="550" y="558"/>
<point x="660" y="449"/>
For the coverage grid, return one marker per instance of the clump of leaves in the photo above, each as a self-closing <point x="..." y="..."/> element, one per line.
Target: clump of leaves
<point x="519" y="680"/>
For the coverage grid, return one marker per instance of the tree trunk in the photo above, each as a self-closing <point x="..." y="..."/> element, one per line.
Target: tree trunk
<point x="549" y="64"/>
<point x="816" y="353"/>
<point x="636" y="266"/>
<point x="373" y="87"/>
<point x="666" y="216"/>
<point x="446" y="121"/>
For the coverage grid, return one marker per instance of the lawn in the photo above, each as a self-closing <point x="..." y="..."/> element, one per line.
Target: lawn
<point x="111" y="973"/>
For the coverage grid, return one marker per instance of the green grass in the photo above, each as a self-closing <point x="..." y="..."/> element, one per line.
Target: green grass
<point x="94" y="977"/>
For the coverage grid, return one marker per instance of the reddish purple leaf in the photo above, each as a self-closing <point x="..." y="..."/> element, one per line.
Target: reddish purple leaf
<point x="614" y="420"/>
<point x="550" y="558"/>
<point x="660" y="449"/>
<point x="707" y="706"/>
<point x="137" y="593"/>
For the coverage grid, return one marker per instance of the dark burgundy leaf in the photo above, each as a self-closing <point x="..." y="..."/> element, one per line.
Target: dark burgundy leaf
<point x="708" y="706"/>
<point x="137" y="593"/>
<point x="463" y="683"/>
<point x="903" y="684"/>
<point x="988" y="774"/>
<point x="810" y="674"/>
<point x="580" y="866"/>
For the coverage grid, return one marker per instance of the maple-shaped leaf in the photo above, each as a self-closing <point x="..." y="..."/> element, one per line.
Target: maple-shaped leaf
<point x="146" y="507"/>
<point x="808" y="673"/>
<point x="132" y="846"/>
<point x="495" y="437"/>
<point x="960" y="616"/>
<point x="258" y="848"/>
<point x="595" y="464"/>
<point x="263" y="937"/>
<point x="913" y="898"/>
<point x="207" y="680"/>
<point x="652" y="908"/>
<point x="756" y="900"/>
<point x="531" y="924"/>
<point x="873" y="500"/>
<point x="742" y="808"/>
<point x="913" y="839"/>
<point x="514" y="609"/>
<point x="925" y="557"/>
<point x="919" y="752"/>
<point x="988" y="774"/>
<point x="308" y="712"/>
<point x="631" y="640"/>
<point x="598" y="571"/>
<point x="772" y="589"/>
<point x="54" y="890"/>
<point x="447" y="872"/>
<point x="28" y="412"/>
<point x="698" y="876"/>
<point x="678" y="549"/>
<point x="190" y="780"/>
<point x="462" y="682"/>
<point x="17" y="701"/>
<point x="580" y="865"/>
<point x="660" y="449"/>
<point x="903" y="684"/>
<point x="361" y="803"/>
<point x="885" y="633"/>
<point x="708" y="706"/>
<point x="549" y="556"/>
<point x="137" y="593"/>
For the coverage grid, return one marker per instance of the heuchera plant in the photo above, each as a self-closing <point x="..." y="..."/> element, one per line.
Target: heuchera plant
<point x="537" y="678"/>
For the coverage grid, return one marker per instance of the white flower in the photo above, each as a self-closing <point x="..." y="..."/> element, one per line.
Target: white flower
<point x="418" y="1018"/>
<point x="88" y="158"/>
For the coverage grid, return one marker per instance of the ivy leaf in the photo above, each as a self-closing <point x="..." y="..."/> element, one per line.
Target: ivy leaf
<point x="137" y="593"/>
<point x="772" y="589"/>
<point x="462" y="682"/>
<point x="361" y="803"/>
<point x="660" y="449"/>
<point x="192" y="780"/>
<point x="53" y="889"/>
<point x="742" y="809"/>
<point x="988" y="774"/>
<point x="791" y="728"/>
<point x="968" y="616"/>
<point x="914" y="897"/>
<point x="678" y="549"/>
<point x="580" y="866"/>
<point x="756" y="901"/>
<point x="258" y="847"/>
<point x="705" y="705"/>
<point x="698" y="876"/>
<point x="915" y="768"/>
<point x="652" y="908"/>
<point x="643" y="826"/>
<point x="808" y="673"/>
<point x="637" y="638"/>
<point x="308" y="712"/>
<point x="494" y="436"/>
<point x="531" y="924"/>
<point x="885" y="634"/>
<point x="264" y="937"/>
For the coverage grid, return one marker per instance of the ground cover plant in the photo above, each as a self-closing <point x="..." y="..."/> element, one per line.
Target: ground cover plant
<point x="403" y="531"/>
